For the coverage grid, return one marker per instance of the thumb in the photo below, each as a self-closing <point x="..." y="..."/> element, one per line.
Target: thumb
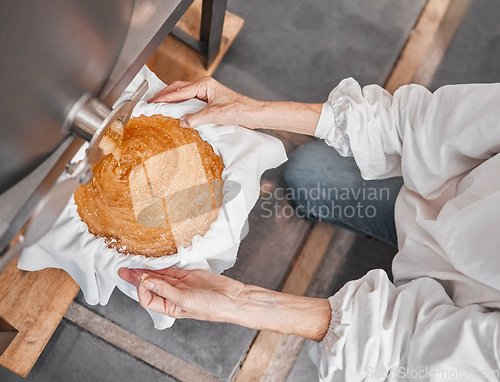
<point x="159" y="296"/>
<point x="202" y="117"/>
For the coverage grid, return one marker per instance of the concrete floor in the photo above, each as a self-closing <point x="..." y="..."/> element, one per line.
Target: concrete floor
<point x="287" y="50"/>
<point x="474" y="53"/>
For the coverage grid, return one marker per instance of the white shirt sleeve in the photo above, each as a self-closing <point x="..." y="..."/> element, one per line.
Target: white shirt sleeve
<point x="444" y="133"/>
<point x="411" y="332"/>
<point x="441" y="320"/>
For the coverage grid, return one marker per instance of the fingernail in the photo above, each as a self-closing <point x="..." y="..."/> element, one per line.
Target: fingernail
<point x="183" y="123"/>
<point x="149" y="285"/>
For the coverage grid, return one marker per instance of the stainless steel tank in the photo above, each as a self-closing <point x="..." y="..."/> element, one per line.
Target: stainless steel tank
<point x="57" y="57"/>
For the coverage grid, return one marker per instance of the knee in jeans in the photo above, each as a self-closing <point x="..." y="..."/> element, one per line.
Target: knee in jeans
<point x="294" y="171"/>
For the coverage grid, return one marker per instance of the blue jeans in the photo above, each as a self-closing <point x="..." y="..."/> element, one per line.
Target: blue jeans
<point x="328" y="187"/>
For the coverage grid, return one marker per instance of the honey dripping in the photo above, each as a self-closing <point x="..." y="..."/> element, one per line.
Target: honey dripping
<point x="110" y="143"/>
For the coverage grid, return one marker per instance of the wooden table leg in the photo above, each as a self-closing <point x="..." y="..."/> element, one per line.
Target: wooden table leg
<point x="212" y="22"/>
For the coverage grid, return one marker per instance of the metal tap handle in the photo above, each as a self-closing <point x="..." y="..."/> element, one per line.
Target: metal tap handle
<point x="122" y="113"/>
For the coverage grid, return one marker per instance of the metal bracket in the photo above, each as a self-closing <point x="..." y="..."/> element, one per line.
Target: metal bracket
<point x="212" y="21"/>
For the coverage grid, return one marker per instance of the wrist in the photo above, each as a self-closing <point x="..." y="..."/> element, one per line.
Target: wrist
<point x="263" y="309"/>
<point x="234" y="304"/>
<point x="294" y="117"/>
<point x="252" y="113"/>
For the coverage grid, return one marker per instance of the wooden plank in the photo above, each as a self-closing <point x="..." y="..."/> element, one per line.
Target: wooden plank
<point x="290" y="346"/>
<point x="259" y="356"/>
<point x="309" y="259"/>
<point x="418" y="42"/>
<point x="34" y="304"/>
<point x="263" y="260"/>
<point x="331" y="266"/>
<point x="283" y="358"/>
<point x="135" y="345"/>
<point x="306" y="264"/>
<point x="174" y="60"/>
<point x="451" y="21"/>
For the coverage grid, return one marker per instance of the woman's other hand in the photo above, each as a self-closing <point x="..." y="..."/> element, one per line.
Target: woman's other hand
<point x="225" y="106"/>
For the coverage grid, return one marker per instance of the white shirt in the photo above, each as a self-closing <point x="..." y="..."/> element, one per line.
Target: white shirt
<point x="440" y="320"/>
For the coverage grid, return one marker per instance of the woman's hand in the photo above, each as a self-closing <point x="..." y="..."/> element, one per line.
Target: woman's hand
<point x="226" y="107"/>
<point x="186" y="294"/>
<point x="206" y="296"/>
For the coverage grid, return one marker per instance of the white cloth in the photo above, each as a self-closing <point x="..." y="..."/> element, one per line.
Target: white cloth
<point x="440" y="320"/>
<point x="94" y="266"/>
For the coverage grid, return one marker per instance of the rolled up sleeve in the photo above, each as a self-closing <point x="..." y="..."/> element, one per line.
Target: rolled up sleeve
<point x="437" y="136"/>
<point x="412" y="332"/>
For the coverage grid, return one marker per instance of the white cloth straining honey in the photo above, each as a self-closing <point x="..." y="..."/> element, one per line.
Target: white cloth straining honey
<point x="94" y="266"/>
<point x="162" y="187"/>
